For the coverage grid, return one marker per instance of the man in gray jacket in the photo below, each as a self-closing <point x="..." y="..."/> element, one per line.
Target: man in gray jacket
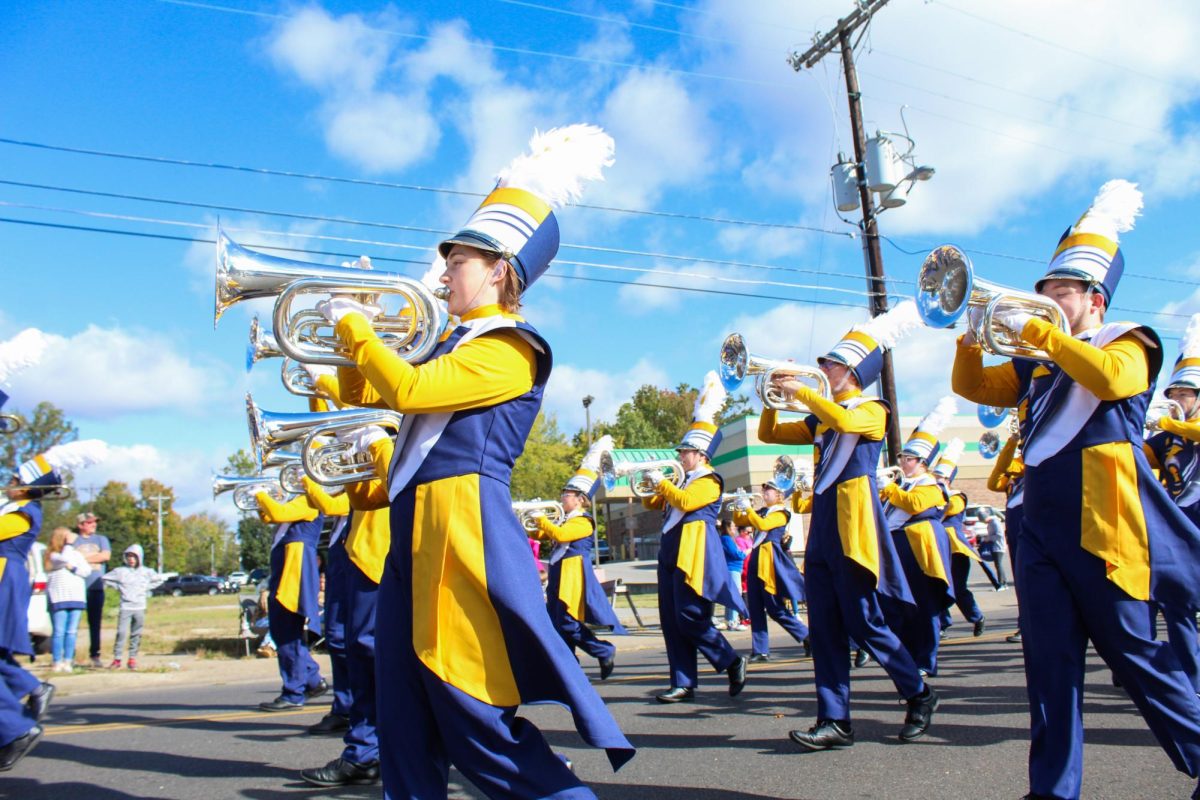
<point x="134" y="582"/>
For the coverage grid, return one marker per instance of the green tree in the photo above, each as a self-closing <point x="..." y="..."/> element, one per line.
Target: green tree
<point x="241" y="463"/>
<point x="209" y="545"/>
<point x="254" y="542"/>
<point x="657" y="418"/>
<point x="548" y="461"/>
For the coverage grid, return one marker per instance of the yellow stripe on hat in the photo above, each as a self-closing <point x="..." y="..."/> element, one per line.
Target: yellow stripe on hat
<point x="703" y="426"/>
<point x="1188" y="362"/>
<point x="924" y="437"/>
<point x="1088" y="240"/>
<point x="43" y="464"/>
<point x="531" y="204"/>
<point x="584" y="472"/>
<point x="862" y="338"/>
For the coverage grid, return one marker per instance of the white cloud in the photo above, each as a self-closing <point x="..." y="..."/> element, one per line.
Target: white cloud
<point x="380" y="130"/>
<point x="334" y="54"/>
<point x="639" y="299"/>
<point x="103" y="373"/>
<point x="569" y="385"/>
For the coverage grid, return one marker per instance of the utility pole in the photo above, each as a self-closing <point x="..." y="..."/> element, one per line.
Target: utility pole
<point x="160" y="499"/>
<point x="587" y="411"/>
<point x="876" y="285"/>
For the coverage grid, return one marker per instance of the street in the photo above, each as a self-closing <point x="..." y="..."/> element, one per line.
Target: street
<point x="201" y="740"/>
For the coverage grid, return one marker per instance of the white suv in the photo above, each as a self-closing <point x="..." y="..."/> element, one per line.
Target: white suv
<point x="40" y="626"/>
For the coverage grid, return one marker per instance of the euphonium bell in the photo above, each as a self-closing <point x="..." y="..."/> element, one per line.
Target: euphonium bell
<point x="989" y="445"/>
<point x="947" y="289"/>
<point x="262" y="345"/>
<point x="639" y="473"/>
<point x="886" y="475"/>
<point x="991" y="416"/>
<point x="244" y="487"/>
<point x="784" y="476"/>
<point x="740" y="500"/>
<point x="528" y="512"/>
<point x="305" y="335"/>
<point x="736" y="363"/>
<point x="1162" y="408"/>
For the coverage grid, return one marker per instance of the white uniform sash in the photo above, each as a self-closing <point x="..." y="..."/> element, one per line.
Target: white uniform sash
<point x="560" y="548"/>
<point x="842" y="445"/>
<point x="761" y="536"/>
<point x="420" y="432"/>
<point x="279" y="533"/>
<point x="1057" y="426"/>
<point x="675" y="514"/>
<point x="338" y="530"/>
<point x="12" y="507"/>
<point x="896" y="517"/>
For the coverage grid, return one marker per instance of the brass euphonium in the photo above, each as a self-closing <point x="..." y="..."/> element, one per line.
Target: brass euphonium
<point x="1164" y="407"/>
<point x="741" y="500"/>
<point x="737" y="363"/>
<point x="528" y="512"/>
<point x="10" y="423"/>
<point x="245" y="487"/>
<point x="947" y="289"/>
<point x="886" y="475"/>
<point x="639" y="473"/>
<point x="291" y="373"/>
<point x="784" y="474"/>
<point x="989" y="445"/>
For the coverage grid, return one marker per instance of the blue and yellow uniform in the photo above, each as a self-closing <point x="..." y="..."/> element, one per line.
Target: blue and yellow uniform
<point x="293" y="588"/>
<point x="850" y="559"/>
<point x="336" y="510"/>
<point x="914" y="512"/>
<point x="466" y="638"/>
<point x="772" y="578"/>
<point x="961" y="556"/>
<point x="20" y="522"/>
<point x="574" y="597"/>
<point x="1100" y="538"/>
<point x="692" y="575"/>
<point x="1008" y="477"/>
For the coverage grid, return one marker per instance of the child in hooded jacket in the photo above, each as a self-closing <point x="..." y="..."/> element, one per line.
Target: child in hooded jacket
<point x="134" y="582"/>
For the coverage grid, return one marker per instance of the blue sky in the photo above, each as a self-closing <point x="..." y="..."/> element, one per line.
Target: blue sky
<point x="1023" y="113"/>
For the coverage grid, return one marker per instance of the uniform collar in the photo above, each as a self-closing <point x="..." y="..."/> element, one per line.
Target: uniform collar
<point x="849" y="394"/>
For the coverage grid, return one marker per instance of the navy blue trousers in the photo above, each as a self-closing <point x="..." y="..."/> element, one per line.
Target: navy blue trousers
<point x="964" y="598"/>
<point x="687" y="628"/>
<point x="577" y="634"/>
<point x="337" y="563"/>
<point x="1067" y="600"/>
<point x="1181" y="635"/>
<point x="425" y="724"/>
<point x="296" y="665"/>
<point x="361" y="598"/>
<point x="843" y="605"/>
<point x="15" y="684"/>
<point x="763" y="604"/>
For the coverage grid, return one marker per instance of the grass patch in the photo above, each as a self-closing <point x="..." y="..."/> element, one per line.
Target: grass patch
<point x="202" y="625"/>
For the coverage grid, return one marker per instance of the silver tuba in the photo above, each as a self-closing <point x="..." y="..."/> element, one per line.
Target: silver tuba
<point x="947" y="289"/>
<point x="1162" y="408"/>
<point x="245" y="487"/>
<point x="638" y="473"/>
<point x="528" y="512"/>
<point x="306" y="335"/>
<point x="737" y="363"/>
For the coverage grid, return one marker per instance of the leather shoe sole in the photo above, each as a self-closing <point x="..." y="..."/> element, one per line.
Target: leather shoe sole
<point x="679" y="694"/>
<point x="279" y="704"/>
<point x="816" y="744"/>
<point x="340" y="772"/>
<point x="17" y="749"/>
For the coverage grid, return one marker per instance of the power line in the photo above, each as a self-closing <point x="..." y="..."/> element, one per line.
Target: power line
<point x="614" y="21"/>
<point x="403" y="186"/>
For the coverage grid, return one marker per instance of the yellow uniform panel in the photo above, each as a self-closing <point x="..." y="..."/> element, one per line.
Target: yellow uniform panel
<point x="570" y="586"/>
<point x="691" y="554"/>
<point x="856" y="523"/>
<point x="766" y="566"/>
<point x="1113" y="525"/>
<point x="287" y="592"/>
<point x="923" y="541"/>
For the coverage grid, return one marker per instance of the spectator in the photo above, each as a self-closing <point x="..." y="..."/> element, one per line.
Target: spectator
<point x="66" y="571"/>
<point x="134" y="581"/>
<point x="735" y="558"/>
<point x="994" y="536"/>
<point x="97" y="550"/>
<point x="745" y="540"/>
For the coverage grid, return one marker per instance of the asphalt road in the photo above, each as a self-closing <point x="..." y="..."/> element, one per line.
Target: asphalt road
<point x="204" y="741"/>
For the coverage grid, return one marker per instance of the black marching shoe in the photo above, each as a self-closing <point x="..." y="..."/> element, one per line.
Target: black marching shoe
<point x="827" y="734"/>
<point x="316" y="691"/>
<point x="980" y="625"/>
<point x="759" y="658"/>
<point x="737" y="676"/>
<point x="861" y="658"/>
<point x="806" y="643"/>
<point x="942" y="633"/>
<point x="677" y="694"/>
<point x="279" y="704"/>
<point x="330" y="725"/>
<point x="341" y="772"/>
<point x="606" y="668"/>
<point x="15" y="750"/>
<point x="920" y="712"/>
<point x="39" y="700"/>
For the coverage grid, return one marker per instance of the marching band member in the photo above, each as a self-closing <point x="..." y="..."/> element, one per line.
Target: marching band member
<point x="913" y="509"/>
<point x="691" y="562"/>
<point x="467" y="639"/>
<point x="366" y="545"/>
<point x="292" y="599"/>
<point x="961" y="552"/>
<point x="1172" y="451"/>
<point x="574" y="597"/>
<point x="772" y="577"/>
<point x="1008" y="477"/>
<point x="20" y="523"/>
<point x="850" y="559"/>
<point x="1100" y="537"/>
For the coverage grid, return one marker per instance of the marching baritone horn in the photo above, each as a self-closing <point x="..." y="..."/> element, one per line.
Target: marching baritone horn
<point x="991" y="416"/>
<point x="740" y="500"/>
<point x="638" y="473"/>
<point x="244" y="487"/>
<point x="305" y="335"/>
<point x="989" y="445"/>
<point x="737" y="363"/>
<point x="948" y="289"/>
<point x="886" y="475"/>
<point x="1162" y="408"/>
<point x="528" y="512"/>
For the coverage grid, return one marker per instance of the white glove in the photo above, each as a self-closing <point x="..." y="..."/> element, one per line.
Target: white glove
<point x="654" y="477"/>
<point x="337" y="307"/>
<point x="742" y="504"/>
<point x="367" y="436"/>
<point x="317" y="370"/>
<point x="975" y="317"/>
<point x="1013" y="319"/>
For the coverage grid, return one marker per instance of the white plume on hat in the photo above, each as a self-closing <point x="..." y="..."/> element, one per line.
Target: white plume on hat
<point x="1113" y="210"/>
<point x="591" y="461"/>
<point x="953" y="451"/>
<point x="889" y="328"/>
<point x="710" y="400"/>
<point x="937" y="420"/>
<point x="1189" y="343"/>
<point x="558" y="160"/>
<point x="22" y="351"/>
<point x="74" y="455"/>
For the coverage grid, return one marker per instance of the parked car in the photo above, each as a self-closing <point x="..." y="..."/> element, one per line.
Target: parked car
<point x="194" y="584"/>
<point x="40" y="626"/>
<point x="239" y="577"/>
